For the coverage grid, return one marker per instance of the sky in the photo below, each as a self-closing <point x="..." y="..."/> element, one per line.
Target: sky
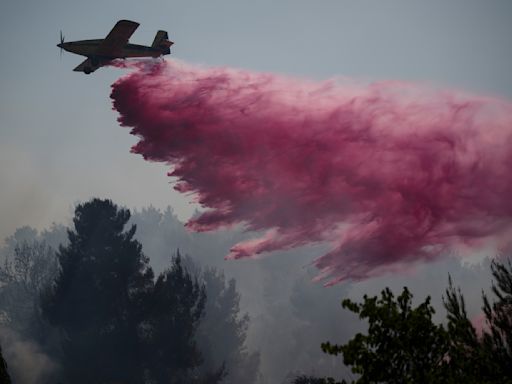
<point x="60" y="142"/>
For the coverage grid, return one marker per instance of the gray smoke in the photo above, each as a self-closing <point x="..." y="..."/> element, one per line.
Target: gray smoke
<point x="26" y="361"/>
<point x="290" y="316"/>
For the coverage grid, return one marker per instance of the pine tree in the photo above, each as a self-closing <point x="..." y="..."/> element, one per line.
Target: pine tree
<point x="174" y="311"/>
<point x="96" y="301"/>
<point x="223" y="331"/>
<point x="485" y="358"/>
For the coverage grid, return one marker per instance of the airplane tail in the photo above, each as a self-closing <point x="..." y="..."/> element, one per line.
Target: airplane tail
<point x="162" y="42"/>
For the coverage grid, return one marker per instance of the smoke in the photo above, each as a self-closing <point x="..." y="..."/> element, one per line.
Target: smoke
<point x="27" y="363"/>
<point x="388" y="174"/>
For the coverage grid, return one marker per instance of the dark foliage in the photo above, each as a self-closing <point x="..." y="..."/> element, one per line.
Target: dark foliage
<point x="222" y="332"/>
<point x="116" y="322"/>
<point x="404" y="345"/>
<point x="497" y="340"/>
<point x="97" y="297"/>
<point x="175" y="309"/>
<point x="25" y="275"/>
<point x="486" y="358"/>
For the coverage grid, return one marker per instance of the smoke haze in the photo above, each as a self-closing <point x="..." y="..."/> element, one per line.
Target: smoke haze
<point x="388" y="173"/>
<point x="289" y="315"/>
<point x="28" y="364"/>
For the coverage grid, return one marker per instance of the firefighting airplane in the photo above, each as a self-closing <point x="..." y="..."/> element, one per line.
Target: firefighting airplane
<point x="100" y="52"/>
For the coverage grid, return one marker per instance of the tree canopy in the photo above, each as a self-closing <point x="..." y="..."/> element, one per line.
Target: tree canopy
<point x="404" y="345"/>
<point x="117" y="322"/>
<point x="96" y="298"/>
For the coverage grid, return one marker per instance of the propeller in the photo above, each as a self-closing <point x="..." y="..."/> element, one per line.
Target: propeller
<point x="61" y="42"/>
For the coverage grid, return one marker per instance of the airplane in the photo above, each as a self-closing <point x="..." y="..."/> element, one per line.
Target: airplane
<point x="100" y="52"/>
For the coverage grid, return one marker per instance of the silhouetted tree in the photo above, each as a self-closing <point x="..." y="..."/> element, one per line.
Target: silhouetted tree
<point x="116" y="322"/>
<point x="403" y="345"/>
<point x="497" y="340"/>
<point x="175" y="309"/>
<point x="25" y="234"/>
<point x="23" y="278"/>
<point x="486" y="358"/>
<point x="97" y="298"/>
<point x="222" y="332"/>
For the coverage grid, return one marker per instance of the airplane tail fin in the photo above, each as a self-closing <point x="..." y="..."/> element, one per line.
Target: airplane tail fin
<point x="162" y="42"/>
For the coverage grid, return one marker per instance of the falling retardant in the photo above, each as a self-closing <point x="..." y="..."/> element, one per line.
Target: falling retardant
<point x="387" y="174"/>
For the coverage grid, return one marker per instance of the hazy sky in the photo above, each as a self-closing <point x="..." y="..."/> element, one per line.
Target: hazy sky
<point x="59" y="139"/>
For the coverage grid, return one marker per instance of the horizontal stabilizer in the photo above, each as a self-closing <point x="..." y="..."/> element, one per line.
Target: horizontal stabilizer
<point x="162" y="42"/>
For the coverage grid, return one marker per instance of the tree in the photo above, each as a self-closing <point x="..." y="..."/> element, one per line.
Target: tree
<point x="175" y="309"/>
<point x="97" y="298"/>
<point x="403" y="345"/>
<point x="23" y="278"/>
<point x="119" y="324"/>
<point x="497" y="341"/>
<point x="21" y="235"/>
<point x="486" y="358"/>
<point x="222" y="332"/>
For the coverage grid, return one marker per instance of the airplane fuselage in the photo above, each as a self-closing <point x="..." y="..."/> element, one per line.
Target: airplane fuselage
<point x="100" y="52"/>
<point x="90" y="48"/>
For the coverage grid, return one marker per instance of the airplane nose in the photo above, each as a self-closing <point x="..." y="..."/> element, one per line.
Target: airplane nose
<point x="59" y="45"/>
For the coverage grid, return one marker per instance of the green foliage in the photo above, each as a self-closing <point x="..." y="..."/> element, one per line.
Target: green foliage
<point x="402" y="345"/>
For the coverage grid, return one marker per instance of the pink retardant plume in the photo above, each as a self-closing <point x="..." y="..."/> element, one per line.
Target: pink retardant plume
<point x="389" y="174"/>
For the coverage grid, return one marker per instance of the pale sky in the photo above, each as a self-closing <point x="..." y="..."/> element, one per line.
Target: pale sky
<point x="59" y="139"/>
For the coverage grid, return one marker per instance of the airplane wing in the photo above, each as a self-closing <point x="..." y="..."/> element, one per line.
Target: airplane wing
<point x="117" y="38"/>
<point x="87" y="66"/>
